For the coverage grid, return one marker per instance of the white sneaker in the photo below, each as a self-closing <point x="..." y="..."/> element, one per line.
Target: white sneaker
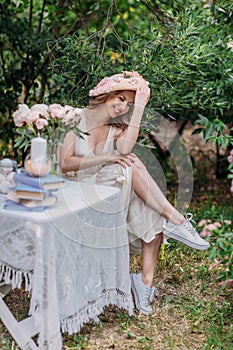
<point x="143" y="295"/>
<point x="186" y="234"/>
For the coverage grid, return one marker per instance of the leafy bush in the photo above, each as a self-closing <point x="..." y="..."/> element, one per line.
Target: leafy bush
<point x="218" y="230"/>
<point x="230" y="168"/>
<point x="182" y="47"/>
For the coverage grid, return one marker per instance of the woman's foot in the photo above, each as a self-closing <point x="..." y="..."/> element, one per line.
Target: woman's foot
<point x="143" y="295"/>
<point x="186" y="234"/>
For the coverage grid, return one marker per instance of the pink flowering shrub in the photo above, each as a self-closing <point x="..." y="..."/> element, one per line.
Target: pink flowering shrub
<point x="228" y="222"/>
<point x="230" y="157"/>
<point x="221" y="238"/>
<point x="208" y="227"/>
<point x="230" y="168"/>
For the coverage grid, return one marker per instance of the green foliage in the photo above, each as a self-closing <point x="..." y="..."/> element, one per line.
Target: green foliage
<point x="214" y="130"/>
<point x="23" y="76"/>
<point x="188" y="63"/>
<point x="218" y="230"/>
<point x="76" y="69"/>
<point x="222" y="253"/>
<point x="57" y="51"/>
<point x="192" y="312"/>
<point x="230" y="168"/>
<point x="221" y="238"/>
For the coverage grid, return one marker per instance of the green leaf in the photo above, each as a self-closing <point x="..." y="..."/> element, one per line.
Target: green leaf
<point x="208" y="131"/>
<point x="212" y="252"/>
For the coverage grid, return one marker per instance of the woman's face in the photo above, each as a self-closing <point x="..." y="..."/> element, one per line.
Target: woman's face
<point x="119" y="103"/>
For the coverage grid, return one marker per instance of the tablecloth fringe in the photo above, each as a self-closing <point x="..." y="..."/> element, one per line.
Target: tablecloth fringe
<point x="15" y="277"/>
<point x="74" y="323"/>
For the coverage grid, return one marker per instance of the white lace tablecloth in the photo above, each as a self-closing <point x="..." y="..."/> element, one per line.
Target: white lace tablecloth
<point x="74" y="258"/>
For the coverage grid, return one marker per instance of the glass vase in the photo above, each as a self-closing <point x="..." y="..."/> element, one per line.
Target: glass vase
<point x="55" y="170"/>
<point x="38" y="167"/>
<point x="53" y="150"/>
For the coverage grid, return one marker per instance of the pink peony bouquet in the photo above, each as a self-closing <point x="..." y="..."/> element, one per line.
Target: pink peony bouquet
<point x="50" y="122"/>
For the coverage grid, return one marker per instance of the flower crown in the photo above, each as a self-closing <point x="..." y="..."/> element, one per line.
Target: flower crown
<point x="125" y="81"/>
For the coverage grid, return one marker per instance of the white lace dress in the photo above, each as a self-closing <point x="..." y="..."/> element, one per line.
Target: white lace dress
<point x="143" y="223"/>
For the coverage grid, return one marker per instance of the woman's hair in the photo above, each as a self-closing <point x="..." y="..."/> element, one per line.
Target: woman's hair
<point x="122" y="121"/>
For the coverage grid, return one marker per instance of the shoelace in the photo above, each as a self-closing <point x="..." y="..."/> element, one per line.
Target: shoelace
<point x="154" y="292"/>
<point x="149" y="296"/>
<point x="189" y="221"/>
<point x="147" y="299"/>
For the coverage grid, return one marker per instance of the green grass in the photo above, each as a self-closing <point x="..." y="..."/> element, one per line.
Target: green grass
<point x="193" y="311"/>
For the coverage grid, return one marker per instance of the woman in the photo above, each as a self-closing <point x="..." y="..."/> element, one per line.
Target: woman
<point x="112" y="121"/>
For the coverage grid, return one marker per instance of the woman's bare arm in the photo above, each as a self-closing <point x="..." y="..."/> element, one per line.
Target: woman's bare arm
<point x="70" y="162"/>
<point x="126" y="142"/>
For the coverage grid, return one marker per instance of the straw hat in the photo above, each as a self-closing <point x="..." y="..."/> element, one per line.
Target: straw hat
<point x="125" y="81"/>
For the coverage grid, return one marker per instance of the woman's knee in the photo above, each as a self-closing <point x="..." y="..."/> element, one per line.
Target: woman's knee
<point x="138" y="167"/>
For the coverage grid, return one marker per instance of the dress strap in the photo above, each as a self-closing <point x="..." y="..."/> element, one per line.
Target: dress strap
<point x="82" y="123"/>
<point x="109" y="144"/>
<point x="112" y="132"/>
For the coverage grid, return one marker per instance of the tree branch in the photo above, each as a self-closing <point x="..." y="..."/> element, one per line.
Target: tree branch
<point x="30" y="13"/>
<point x="41" y="15"/>
<point x="157" y="11"/>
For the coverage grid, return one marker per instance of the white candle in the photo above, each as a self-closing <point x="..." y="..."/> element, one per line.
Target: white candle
<point x="38" y="150"/>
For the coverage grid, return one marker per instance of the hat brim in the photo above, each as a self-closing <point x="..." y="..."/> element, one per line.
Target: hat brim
<point x="117" y="83"/>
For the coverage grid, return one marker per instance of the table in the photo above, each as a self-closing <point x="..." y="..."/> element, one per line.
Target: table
<point x="73" y="258"/>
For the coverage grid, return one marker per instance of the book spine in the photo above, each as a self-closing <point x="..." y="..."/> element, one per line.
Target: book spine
<point x="27" y="180"/>
<point x="10" y="205"/>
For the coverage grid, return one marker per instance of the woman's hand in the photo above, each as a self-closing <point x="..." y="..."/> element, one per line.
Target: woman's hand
<point x="142" y="96"/>
<point x="127" y="140"/>
<point x="124" y="161"/>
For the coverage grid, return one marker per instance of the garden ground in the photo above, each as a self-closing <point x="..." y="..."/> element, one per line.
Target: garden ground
<point x="192" y="312"/>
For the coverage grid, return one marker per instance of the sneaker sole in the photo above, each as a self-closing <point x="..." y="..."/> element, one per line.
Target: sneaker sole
<point x="187" y="242"/>
<point x="136" y="299"/>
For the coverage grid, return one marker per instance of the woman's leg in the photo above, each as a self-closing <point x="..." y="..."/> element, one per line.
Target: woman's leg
<point x="150" y="253"/>
<point x="142" y="283"/>
<point x="148" y="190"/>
<point x="178" y="227"/>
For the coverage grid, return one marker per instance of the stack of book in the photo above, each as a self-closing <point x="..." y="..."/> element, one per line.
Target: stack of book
<point x="33" y="193"/>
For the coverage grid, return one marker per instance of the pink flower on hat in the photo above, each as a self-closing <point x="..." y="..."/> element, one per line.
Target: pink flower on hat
<point x="125" y="81"/>
<point x="132" y="74"/>
<point x="104" y="86"/>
